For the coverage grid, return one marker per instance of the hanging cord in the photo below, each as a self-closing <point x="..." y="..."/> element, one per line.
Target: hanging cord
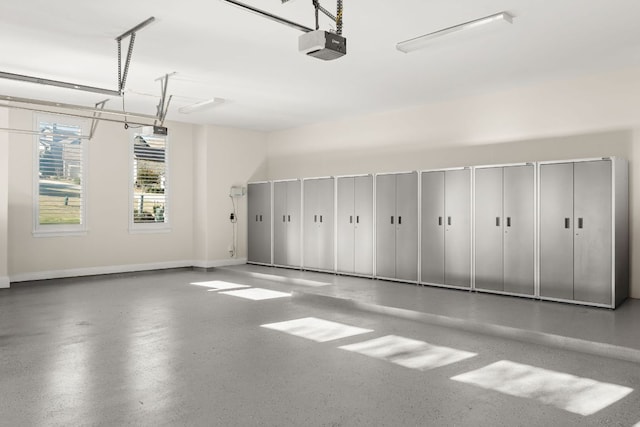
<point x="234" y="226"/>
<point x="339" y="18"/>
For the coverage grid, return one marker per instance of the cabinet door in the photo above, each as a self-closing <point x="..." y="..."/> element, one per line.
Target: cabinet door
<point x="259" y="212"/>
<point x="457" y="244"/>
<point x="593" y="230"/>
<point x="346" y="223"/>
<point x="519" y="235"/>
<point x="280" y="223"/>
<point x="310" y="223"/>
<point x="363" y="238"/>
<point x="325" y="207"/>
<point x="433" y="220"/>
<point x="293" y="223"/>
<point x="556" y="230"/>
<point x="265" y="224"/>
<point x="489" y="228"/>
<point x="407" y="226"/>
<point x="253" y="229"/>
<point x="385" y="226"/>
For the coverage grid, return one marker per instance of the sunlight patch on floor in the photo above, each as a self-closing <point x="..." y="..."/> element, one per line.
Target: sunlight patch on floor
<point x="257" y="294"/>
<point x="318" y="330"/>
<point x="581" y="396"/>
<point x="218" y="285"/>
<point x="409" y="353"/>
<point x="289" y="280"/>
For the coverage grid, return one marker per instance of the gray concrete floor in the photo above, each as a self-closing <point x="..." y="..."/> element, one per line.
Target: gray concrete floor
<point x="151" y="349"/>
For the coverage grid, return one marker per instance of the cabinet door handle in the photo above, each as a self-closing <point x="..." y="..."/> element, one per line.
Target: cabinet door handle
<point x="289" y="218"/>
<point x="260" y="218"/>
<point x="567" y="223"/>
<point x="256" y="218"/>
<point x="448" y="220"/>
<point x="315" y="218"/>
<point x="357" y="219"/>
<point x="320" y="218"/>
<point x="284" y="218"/>
<point x="350" y="219"/>
<point x="439" y="220"/>
<point x="508" y="221"/>
<point x="580" y="223"/>
<point x="391" y="219"/>
<point x="497" y="221"/>
<point x="399" y="220"/>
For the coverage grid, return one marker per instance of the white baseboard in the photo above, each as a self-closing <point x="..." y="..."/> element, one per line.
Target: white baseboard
<point x="220" y="262"/>
<point x="4" y="282"/>
<point x="95" y="271"/>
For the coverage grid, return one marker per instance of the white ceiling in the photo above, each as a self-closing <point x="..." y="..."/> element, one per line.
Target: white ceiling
<point x="218" y="50"/>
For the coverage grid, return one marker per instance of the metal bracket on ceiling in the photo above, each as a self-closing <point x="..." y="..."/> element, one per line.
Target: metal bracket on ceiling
<point x="122" y="77"/>
<point x="96" y="117"/>
<point x="81" y="111"/>
<point x="270" y="16"/>
<point x="337" y="18"/>
<point x="163" y="104"/>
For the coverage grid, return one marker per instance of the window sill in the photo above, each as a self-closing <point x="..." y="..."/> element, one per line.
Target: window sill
<point x="152" y="229"/>
<point x="59" y="233"/>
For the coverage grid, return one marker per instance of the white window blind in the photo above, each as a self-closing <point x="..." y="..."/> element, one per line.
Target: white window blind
<point x="61" y="161"/>
<point x="149" y="190"/>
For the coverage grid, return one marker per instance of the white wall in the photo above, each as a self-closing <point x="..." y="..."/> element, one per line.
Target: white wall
<point x="591" y="116"/>
<point x="204" y="162"/>
<point x="4" y="198"/>
<point x="225" y="157"/>
<point x="108" y="246"/>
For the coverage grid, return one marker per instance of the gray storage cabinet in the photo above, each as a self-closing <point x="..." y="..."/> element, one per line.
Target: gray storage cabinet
<point x="584" y="231"/>
<point x="397" y="226"/>
<point x="259" y="218"/>
<point x="287" y="204"/>
<point x="318" y="224"/>
<point x="446" y="228"/>
<point x="504" y="214"/>
<point x="355" y="225"/>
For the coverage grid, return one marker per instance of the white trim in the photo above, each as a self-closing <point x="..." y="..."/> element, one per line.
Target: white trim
<point x="354" y="176"/>
<point x="504" y="165"/>
<point x="158" y="227"/>
<point x="4" y="282"/>
<point x="396" y="173"/>
<point x="317" y="177"/>
<point x="219" y="263"/>
<point x="113" y="269"/>
<point x="151" y="228"/>
<point x="446" y="169"/>
<point x="586" y="159"/>
<point x="60" y="230"/>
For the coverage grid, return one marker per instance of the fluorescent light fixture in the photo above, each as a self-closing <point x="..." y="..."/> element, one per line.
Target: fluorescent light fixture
<point x="200" y="106"/>
<point x="421" y="42"/>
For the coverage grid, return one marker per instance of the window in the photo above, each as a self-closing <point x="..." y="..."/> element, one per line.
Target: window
<point x="149" y="190"/>
<point x="60" y="163"/>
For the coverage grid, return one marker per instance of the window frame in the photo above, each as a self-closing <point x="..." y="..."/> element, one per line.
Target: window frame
<point x="60" y="230"/>
<point x="149" y="227"/>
